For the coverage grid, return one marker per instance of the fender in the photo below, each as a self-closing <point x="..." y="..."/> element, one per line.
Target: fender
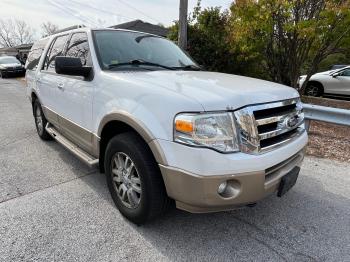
<point x="139" y="127"/>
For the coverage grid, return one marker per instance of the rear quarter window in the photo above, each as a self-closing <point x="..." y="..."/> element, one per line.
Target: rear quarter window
<point x="35" y="54"/>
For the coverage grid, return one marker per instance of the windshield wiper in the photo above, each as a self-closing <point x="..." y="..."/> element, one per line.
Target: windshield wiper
<point x="138" y="63"/>
<point x="189" y="68"/>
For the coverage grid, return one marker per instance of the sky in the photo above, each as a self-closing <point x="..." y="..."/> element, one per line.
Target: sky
<point x="96" y="13"/>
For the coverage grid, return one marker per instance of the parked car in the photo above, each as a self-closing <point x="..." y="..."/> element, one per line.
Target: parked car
<point x="159" y="127"/>
<point x="10" y="66"/>
<point x="333" y="82"/>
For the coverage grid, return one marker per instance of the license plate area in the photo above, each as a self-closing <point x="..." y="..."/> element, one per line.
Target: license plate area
<point x="288" y="181"/>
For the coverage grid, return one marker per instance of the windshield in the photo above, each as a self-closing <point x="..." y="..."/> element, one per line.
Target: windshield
<point x="9" y="60"/>
<point x="133" y="49"/>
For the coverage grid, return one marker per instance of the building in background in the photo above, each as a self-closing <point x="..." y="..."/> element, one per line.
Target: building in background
<point x="139" y="25"/>
<point x="20" y="52"/>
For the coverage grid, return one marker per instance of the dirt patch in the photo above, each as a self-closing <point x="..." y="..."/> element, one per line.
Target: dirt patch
<point x="329" y="140"/>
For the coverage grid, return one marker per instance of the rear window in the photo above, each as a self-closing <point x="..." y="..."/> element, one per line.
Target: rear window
<point x="35" y="54"/>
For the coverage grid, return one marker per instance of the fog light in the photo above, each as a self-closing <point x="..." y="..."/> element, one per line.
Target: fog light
<point x="222" y="187"/>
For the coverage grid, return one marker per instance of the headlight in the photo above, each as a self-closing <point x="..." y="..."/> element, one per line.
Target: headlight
<point x="214" y="130"/>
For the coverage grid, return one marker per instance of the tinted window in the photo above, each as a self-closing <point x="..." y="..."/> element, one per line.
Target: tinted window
<point x="118" y="47"/>
<point x="35" y="54"/>
<point x="346" y="72"/>
<point x="79" y="47"/>
<point x="56" y="49"/>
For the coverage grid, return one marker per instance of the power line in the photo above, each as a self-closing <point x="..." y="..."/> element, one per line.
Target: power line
<point x="139" y="11"/>
<point x="100" y="10"/>
<point x="71" y="12"/>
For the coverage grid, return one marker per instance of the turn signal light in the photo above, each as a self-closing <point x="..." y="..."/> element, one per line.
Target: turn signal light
<point x="183" y="126"/>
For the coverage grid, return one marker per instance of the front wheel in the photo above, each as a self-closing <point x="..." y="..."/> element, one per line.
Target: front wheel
<point x="134" y="179"/>
<point x="314" y="89"/>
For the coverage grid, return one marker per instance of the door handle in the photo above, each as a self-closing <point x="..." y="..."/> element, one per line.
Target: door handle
<point x="38" y="80"/>
<point x="60" y="86"/>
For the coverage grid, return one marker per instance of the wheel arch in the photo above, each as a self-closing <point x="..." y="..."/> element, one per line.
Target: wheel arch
<point x="316" y="82"/>
<point x="33" y="98"/>
<point x="121" y="122"/>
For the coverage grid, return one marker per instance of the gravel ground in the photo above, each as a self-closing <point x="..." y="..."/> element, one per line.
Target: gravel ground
<point x="53" y="208"/>
<point x="329" y="140"/>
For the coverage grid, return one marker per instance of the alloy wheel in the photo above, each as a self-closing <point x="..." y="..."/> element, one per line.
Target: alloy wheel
<point x="39" y="120"/>
<point x="312" y="91"/>
<point x="126" y="180"/>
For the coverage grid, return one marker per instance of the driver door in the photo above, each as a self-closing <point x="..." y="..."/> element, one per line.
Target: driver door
<point x="342" y="83"/>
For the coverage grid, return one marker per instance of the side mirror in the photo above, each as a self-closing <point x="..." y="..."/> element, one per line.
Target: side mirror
<point x="72" y="66"/>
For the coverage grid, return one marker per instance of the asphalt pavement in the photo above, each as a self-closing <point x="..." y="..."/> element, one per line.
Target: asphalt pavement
<point x="54" y="208"/>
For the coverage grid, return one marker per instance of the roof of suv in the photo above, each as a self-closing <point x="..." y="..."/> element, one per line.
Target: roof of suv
<point x="88" y="29"/>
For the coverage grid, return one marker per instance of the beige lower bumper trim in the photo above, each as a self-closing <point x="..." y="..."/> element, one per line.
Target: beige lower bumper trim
<point x="199" y="194"/>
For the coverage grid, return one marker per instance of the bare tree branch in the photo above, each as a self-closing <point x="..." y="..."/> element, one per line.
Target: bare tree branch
<point x="15" y="32"/>
<point x="48" y="28"/>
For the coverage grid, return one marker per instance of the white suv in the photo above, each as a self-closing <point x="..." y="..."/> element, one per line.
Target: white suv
<point x="159" y="127"/>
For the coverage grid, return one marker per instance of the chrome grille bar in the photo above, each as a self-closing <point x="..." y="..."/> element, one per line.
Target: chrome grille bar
<point x="265" y="127"/>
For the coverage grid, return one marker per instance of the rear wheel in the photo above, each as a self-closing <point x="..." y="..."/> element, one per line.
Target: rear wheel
<point x="314" y="89"/>
<point x="134" y="179"/>
<point x="40" y="121"/>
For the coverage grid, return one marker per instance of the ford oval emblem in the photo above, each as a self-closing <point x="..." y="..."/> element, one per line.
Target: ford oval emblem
<point x="291" y="122"/>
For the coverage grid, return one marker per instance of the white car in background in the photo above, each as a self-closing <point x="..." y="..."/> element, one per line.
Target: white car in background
<point x="333" y="83"/>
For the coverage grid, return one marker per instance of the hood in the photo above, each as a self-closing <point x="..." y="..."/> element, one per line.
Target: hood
<point x="11" y="65"/>
<point x="327" y="72"/>
<point x="215" y="91"/>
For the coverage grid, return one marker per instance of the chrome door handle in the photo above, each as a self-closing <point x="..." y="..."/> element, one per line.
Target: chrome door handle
<point x="60" y="86"/>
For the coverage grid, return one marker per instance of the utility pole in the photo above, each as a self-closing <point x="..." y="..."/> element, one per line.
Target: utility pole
<point x="183" y="24"/>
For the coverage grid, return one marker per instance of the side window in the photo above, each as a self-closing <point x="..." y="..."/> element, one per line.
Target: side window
<point x="56" y="49"/>
<point x="35" y="54"/>
<point x="346" y="72"/>
<point x="79" y="47"/>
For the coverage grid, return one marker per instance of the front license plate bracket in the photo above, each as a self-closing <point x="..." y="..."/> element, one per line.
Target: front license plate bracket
<point x="288" y="181"/>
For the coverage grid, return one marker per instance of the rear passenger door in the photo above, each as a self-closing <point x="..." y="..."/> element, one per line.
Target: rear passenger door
<point x="49" y="82"/>
<point x="74" y="99"/>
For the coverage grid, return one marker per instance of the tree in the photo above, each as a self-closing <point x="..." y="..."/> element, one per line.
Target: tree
<point x="15" y="32"/>
<point x="48" y="28"/>
<point x="290" y="35"/>
<point x="208" y="39"/>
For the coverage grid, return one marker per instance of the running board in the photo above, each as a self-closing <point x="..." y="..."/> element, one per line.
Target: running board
<point x="78" y="152"/>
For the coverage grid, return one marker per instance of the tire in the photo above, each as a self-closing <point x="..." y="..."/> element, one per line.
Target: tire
<point x="152" y="201"/>
<point x="2" y="74"/>
<point x="314" y="89"/>
<point x="40" y="121"/>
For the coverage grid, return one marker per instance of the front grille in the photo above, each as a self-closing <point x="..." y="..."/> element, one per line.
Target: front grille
<point x="265" y="127"/>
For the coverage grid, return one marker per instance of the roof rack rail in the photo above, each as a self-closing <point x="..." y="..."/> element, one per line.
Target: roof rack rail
<point x="69" y="28"/>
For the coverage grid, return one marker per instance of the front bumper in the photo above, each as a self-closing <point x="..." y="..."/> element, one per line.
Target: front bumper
<point x="20" y="71"/>
<point x="199" y="194"/>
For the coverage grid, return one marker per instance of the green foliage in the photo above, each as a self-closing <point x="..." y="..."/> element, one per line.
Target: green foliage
<point x="209" y="42"/>
<point x="290" y="35"/>
<point x="272" y="39"/>
<point x="207" y="39"/>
